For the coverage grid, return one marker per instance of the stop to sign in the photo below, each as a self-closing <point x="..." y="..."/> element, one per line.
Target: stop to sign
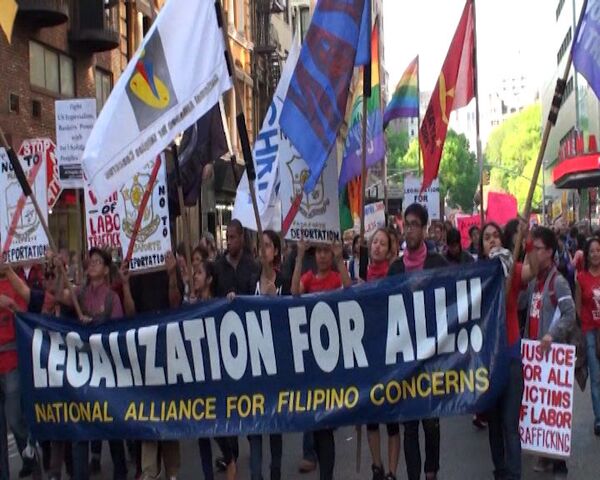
<point x="45" y="148"/>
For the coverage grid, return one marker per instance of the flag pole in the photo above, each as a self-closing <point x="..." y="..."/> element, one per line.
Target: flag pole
<point x="557" y="100"/>
<point x="418" y="118"/>
<point x="363" y="149"/>
<point x="142" y="208"/>
<point x="184" y="219"/>
<point x="240" y="122"/>
<point x="380" y="71"/>
<point x="28" y="192"/>
<point x="478" y="137"/>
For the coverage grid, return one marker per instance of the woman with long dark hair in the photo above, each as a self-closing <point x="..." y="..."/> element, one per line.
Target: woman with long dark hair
<point x="587" y="303"/>
<point x="503" y="417"/>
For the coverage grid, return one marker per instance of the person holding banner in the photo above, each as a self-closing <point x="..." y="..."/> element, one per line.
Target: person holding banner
<point x="10" y="391"/>
<point x="551" y="310"/>
<point x="418" y="257"/>
<point x="99" y="303"/>
<point x="154" y="292"/>
<point x="503" y="418"/>
<point x="324" y="280"/>
<point x="379" y="264"/>
<point x="269" y="281"/>
<point x="587" y="301"/>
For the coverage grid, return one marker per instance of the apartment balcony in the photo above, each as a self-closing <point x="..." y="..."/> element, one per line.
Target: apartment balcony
<point x="95" y="25"/>
<point x="43" y="13"/>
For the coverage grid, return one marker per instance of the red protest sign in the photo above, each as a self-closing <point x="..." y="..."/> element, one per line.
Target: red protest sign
<point x="501" y="207"/>
<point x="463" y="224"/>
<point x="546" y="417"/>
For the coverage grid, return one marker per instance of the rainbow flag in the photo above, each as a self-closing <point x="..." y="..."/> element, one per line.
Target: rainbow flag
<point x="350" y="173"/>
<point x="405" y="101"/>
<point x="351" y="165"/>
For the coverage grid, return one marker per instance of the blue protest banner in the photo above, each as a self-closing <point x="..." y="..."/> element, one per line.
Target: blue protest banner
<point x="586" y="50"/>
<point x="426" y="344"/>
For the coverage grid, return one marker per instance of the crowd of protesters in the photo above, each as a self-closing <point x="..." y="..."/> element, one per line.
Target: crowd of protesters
<point x="553" y="290"/>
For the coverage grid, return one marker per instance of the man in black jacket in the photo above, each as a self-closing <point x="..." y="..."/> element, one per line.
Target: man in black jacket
<point x="418" y="257"/>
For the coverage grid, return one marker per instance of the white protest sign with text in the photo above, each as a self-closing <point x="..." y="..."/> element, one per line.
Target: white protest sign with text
<point x="154" y="236"/>
<point x="74" y="123"/>
<point x="318" y="218"/>
<point x="102" y="220"/>
<point x="430" y="198"/>
<point x="547" y="404"/>
<point x="374" y="218"/>
<point x="21" y="232"/>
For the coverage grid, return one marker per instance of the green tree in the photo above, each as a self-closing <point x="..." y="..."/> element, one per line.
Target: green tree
<point x="512" y="151"/>
<point x="397" y="146"/>
<point x="459" y="172"/>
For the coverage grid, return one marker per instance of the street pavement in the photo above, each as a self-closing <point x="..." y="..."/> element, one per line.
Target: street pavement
<point x="464" y="453"/>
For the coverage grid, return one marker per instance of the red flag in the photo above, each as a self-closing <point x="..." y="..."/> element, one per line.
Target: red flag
<point x="455" y="88"/>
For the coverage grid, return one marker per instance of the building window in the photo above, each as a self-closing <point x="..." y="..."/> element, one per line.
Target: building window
<point x="568" y="90"/>
<point x="51" y="70"/>
<point x="566" y="44"/>
<point x="304" y="21"/>
<point x="561" y="4"/>
<point x="240" y="12"/>
<point x="103" y="87"/>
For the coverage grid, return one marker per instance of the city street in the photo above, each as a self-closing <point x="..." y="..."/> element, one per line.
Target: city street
<point x="464" y="453"/>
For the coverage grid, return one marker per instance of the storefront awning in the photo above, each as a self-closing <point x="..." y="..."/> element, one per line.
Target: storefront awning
<point x="578" y="172"/>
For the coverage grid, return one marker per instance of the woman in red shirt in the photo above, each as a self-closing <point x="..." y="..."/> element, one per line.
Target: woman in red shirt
<point x="324" y="280"/>
<point x="503" y="418"/>
<point x="587" y="302"/>
<point x="380" y="252"/>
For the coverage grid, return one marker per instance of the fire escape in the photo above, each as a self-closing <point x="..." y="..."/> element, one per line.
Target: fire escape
<point x="267" y="59"/>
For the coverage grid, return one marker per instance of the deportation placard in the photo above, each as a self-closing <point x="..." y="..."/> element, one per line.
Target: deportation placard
<point x="154" y="235"/>
<point x="546" y="420"/>
<point x="318" y="218"/>
<point x="21" y="232"/>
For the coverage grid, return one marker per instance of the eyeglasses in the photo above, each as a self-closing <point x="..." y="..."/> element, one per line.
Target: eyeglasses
<point x="412" y="225"/>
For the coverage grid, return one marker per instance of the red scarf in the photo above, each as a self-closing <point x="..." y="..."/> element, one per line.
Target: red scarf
<point x="415" y="260"/>
<point x="377" y="270"/>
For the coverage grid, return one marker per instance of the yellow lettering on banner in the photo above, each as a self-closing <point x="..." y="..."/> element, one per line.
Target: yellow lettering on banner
<point x="282" y="399"/>
<point x="246" y="405"/>
<point x="351" y="398"/>
<point x="466" y="379"/>
<point x="437" y="383"/>
<point x="172" y="412"/>
<point x="40" y="414"/>
<point x="452" y="382"/>
<point x="131" y="413"/>
<point x="483" y="382"/>
<point x="376" y="401"/>
<point x="141" y="417"/>
<point x="211" y="408"/>
<point x="423" y="392"/>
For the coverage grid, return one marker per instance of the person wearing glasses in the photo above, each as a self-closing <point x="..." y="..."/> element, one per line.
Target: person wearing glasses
<point x="416" y="257"/>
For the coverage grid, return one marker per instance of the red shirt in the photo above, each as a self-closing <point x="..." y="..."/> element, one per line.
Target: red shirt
<point x="590" y="300"/>
<point x="8" y="359"/>
<point x="536" y="308"/>
<point x="512" y="317"/>
<point x="313" y="283"/>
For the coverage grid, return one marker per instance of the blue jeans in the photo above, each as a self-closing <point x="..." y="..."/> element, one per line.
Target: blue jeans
<point x="594" y="369"/>
<point x="503" y="426"/>
<point x="256" y="456"/>
<point x="12" y="416"/>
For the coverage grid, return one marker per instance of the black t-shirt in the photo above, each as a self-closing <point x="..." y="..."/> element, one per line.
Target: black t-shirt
<point x="238" y="280"/>
<point x="282" y="284"/>
<point x="150" y="291"/>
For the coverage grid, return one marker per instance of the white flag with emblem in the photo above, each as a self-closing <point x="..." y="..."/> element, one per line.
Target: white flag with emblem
<point x="176" y="76"/>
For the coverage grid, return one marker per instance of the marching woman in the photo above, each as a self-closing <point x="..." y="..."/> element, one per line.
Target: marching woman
<point x="503" y="418"/>
<point x="325" y="279"/>
<point x="269" y="281"/>
<point x="202" y="290"/>
<point x="379" y="264"/>
<point x="587" y="302"/>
